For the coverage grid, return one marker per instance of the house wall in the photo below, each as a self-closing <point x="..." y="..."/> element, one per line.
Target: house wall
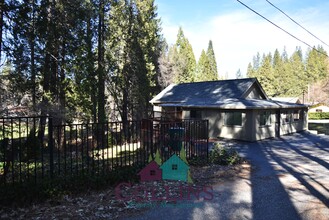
<point x="251" y="128"/>
<point x="254" y="93"/>
<point x="217" y="127"/>
<point x="293" y="126"/>
<point x="263" y="131"/>
<point x="323" y="108"/>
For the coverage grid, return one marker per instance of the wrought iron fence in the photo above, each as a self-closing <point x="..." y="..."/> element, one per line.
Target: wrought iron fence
<point x="24" y="149"/>
<point x="32" y="148"/>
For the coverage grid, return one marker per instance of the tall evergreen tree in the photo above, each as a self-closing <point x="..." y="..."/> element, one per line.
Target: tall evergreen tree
<point x="251" y="72"/>
<point x="316" y="64"/>
<point x="204" y="71"/>
<point x="133" y="51"/>
<point x="185" y="61"/>
<point x="2" y="8"/>
<point x="238" y="74"/>
<point x="212" y="61"/>
<point x="256" y="61"/>
<point x="297" y="79"/>
<point x="265" y="74"/>
<point x="101" y="98"/>
<point x="166" y="66"/>
<point x="278" y="73"/>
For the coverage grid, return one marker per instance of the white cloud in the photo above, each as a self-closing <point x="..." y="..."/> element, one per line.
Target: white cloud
<point x="238" y="36"/>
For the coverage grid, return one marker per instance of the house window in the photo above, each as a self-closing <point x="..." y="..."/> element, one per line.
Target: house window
<point x="152" y="172"/>
<point x="233" y="118"/>
<point x="195" y="114"/>
<point x="286" y="116"/>
<point x="265" y="118"/>
<point x="297" y="115"/>
<point x="174" y="166"/>
<point x="318" y="110"/>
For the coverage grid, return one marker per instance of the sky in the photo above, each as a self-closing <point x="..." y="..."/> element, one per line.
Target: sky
<point x="238" y="34"/>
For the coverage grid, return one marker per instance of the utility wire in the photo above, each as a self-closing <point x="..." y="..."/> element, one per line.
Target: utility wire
<point x="281" y="28"/>
<point x="296" y="22"/>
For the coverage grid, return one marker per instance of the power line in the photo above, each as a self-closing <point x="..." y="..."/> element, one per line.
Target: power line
<point x="296" y="22"/>
<point x="281" y="28"/>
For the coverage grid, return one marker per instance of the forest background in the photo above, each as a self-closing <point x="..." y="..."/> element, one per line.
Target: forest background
<point x="103" y="60"/>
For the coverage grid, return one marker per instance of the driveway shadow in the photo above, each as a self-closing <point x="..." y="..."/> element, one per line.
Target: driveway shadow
<point x="301" y="158"/>
<point x="269" y="197"/>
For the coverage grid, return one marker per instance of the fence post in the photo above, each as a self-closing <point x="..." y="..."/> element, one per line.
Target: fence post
<point x="51" y="146"/>
<point x="207" y="132"/>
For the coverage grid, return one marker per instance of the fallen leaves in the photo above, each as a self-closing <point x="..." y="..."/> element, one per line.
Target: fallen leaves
<point x="105" y="204"/>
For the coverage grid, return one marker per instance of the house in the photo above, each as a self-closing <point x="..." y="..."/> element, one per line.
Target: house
<point x="175" y="169"/>
<point x="287" y="99"/>
<point x="151" y="172"/>
<point x="236" y="109"/>
<point x="320" y="107"/>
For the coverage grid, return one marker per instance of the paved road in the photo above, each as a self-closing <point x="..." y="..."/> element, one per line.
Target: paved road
<point x="289" y="179"/>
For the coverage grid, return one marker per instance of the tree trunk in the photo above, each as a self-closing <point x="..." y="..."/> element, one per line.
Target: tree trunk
<point x="62" y="98"/>
<point x="32" y="48"/>
<point x="100" y="71"/>
<point x="2" y="7"/>
<point x="93" y="91"/>
<point x="101" y="78"/>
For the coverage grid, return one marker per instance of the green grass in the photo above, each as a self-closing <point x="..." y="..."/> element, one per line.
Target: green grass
<point x="322" y="128"/>
<point x="17" y="131"/>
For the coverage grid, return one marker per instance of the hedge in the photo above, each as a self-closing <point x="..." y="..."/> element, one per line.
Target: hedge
<point x="318" y="115"/>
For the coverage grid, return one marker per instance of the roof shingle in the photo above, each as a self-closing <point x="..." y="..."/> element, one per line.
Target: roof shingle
<point x="212" y="91"/>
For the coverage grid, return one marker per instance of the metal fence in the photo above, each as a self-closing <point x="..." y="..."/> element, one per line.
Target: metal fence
<point x="32" y="148"/>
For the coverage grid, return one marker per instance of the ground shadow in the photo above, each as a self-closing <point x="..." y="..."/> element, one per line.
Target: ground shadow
<point x="269" y="198"/>
<point x="302" y="176"/>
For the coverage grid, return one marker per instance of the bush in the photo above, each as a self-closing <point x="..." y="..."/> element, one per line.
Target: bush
<point x="223" y="155"/>
<point x="198" y="161"/>
<point x="318" y="115"/>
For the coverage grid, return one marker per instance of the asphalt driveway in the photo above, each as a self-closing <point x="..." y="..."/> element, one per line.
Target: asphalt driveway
<point x="289" y="179"/>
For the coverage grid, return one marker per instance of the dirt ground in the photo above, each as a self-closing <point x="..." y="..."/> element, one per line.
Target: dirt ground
<point x="106" y="205"/>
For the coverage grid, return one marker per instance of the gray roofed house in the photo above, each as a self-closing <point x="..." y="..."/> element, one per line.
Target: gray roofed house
<point x="287" y="99"/>
<point x="238" y="109"/>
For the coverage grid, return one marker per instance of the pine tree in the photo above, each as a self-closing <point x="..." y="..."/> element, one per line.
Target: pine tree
<point x="203" y="72"/>
<point x="278" y="74"/>
<point x="185" y="64"/>
<point x="238" y="74"/>
<point x="84" y="69"/>
<point x="256" y="61"/>
<point x="316" y="64"/>
<point x="101" y="32"/>
<point x="166" y="66"/>
<point x="212" y="61"/>
<point x="265" y="74"/>
<point x="2" y="8"/>
<point x="250" y="71"/>
<point x="291" y="76"/>
<point x="297" y="79"/>
<point x="133" y="51"/>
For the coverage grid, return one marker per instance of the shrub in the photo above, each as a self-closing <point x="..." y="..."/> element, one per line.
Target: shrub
<point x="223" y="155"/>
<point x="198" y="161"/>
<point x="318" y="115"/>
